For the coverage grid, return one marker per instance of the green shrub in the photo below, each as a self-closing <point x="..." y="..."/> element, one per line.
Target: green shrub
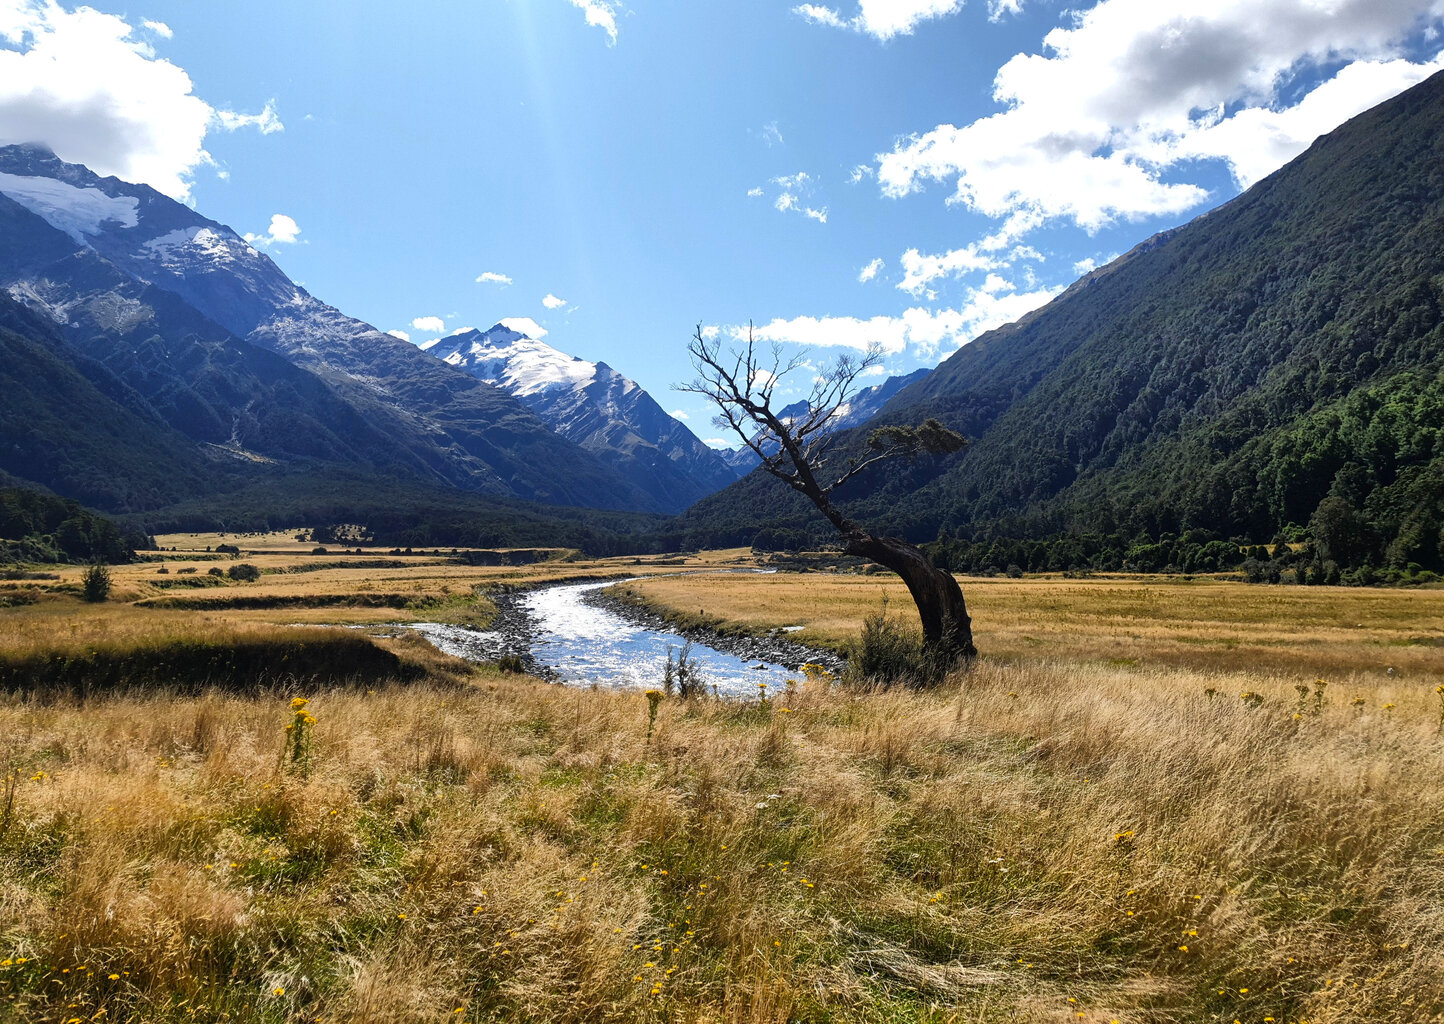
<point x="887" y="652"/>
<point x="245" y="572"/>
<point x="95" y="584"/>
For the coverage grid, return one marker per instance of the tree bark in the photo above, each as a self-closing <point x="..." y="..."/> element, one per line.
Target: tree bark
<point x="947" y="629"/>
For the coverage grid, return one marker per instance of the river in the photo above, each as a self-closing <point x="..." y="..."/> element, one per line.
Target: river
<point x="583" y="644"/>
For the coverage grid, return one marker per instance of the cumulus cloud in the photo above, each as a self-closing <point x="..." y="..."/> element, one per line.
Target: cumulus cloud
<point x="400" y="335"/>
<point x="160" y="28"/>
<point x="550" y="301"/>
<point x="883" y="19"/>
<point x="84" y="84"/>
<point x="524" y="325"/>
<point x="754" y="193"/>
<point x="429" y="324"/>
<point x="925" y="331"/>
<point x="870" y="271"/>
<point x="601" y="14"/>
<point x="678" y="414"/>
<point x="1132" y="89"/>
<point x="492" y="277"/>
<point x="283" y="231"/>
<point x="920" y="270"/>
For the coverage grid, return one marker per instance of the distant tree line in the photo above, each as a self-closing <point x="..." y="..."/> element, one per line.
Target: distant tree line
<point x="37" y="527"/>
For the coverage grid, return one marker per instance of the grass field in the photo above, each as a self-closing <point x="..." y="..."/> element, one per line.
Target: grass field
<point x="1203" y="623"/>
<point x="1093" y="825"/>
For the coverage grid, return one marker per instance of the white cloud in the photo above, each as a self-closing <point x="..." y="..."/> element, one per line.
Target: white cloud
<point x="84" y="84"/>
<point x="925" y="331"/>
<point x="920" y="270"/>
<point x="283" y="231"/>
<point x="267" y="122"/>
<point x="400" y="335"/>
<point x="461" y="330"/>
<point x="550" y="301"/>
<point x="678" y="414"/>
<point x="870" y="271"/>
<point x="794" y="188"/>
<point x="1085" y="266"/>
<point x="429" y="324"/>
<point x="717" y="442"/>
<point x="492" y="277"/>
<point x="524" y="325"/>
<point x="160" y="28"/>
<point x="754" y="193"/>
<point x="883" y="19"/>
<point x="1257" y="141"/>
<point x="601" y="14"/>
<point x="889" y="333"/>
<point x="998" y="8"/>
<point x="771" y="134"/>
<point x="860" y="172"/>
<point x="1135" y="88"/>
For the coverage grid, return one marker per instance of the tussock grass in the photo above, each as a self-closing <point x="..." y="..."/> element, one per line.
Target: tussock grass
<point x="1031" y="842"/>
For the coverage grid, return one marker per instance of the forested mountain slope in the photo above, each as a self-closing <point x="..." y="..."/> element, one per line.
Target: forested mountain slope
<point x="1228" y="375"/>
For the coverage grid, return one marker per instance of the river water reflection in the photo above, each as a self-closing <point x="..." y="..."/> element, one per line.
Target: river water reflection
<point x="584" y="644"/>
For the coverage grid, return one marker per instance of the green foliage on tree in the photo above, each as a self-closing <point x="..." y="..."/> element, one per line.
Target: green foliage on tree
<point x="37" y="527"/>
<point x="95" y="584"/>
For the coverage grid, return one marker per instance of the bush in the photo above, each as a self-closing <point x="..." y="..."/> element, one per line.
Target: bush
<point x="512" y="664"/>
<point x="888" y="653"/>
<point x="245" y="572"/>
<point x="95" y="584"/>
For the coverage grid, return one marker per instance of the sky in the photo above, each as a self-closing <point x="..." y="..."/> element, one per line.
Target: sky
<point x="905" y="173"/>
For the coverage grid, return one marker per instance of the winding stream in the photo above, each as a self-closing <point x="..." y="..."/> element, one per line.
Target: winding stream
<point x="581" y="644"/>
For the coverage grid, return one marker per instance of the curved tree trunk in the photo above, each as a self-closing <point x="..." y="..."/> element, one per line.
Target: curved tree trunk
<point x="947" y="629"/>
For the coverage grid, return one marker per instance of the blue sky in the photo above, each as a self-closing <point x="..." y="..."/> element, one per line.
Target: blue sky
<point x="906" y="172"/>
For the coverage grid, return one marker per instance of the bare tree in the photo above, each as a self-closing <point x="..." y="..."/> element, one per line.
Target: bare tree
<point x="800" y="452"/>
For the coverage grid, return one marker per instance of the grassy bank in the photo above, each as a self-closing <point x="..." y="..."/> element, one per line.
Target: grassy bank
<point x="1047" y="843"/>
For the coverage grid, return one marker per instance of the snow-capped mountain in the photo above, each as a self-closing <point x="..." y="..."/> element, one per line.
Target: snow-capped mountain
<point x="595" y="406"/>
<point x="100" y="257"/>
<point x="862" y="407"/>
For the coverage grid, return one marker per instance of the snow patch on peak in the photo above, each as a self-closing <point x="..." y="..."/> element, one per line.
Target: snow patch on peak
<point x="204" y="242"/>
<point x="522" y="365"/>
<point x="76" y="211"/>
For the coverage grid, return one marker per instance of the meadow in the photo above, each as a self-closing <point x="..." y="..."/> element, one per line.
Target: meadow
<point x="1150" y="801"/>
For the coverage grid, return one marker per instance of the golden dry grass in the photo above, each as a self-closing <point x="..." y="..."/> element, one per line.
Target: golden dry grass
<point x="1052" y="837"/>
<point x="1201" y="623"/>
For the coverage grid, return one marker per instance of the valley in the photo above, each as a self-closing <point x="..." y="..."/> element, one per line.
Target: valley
<point x="868" y="573"/>
<point x="1040" y="838"/>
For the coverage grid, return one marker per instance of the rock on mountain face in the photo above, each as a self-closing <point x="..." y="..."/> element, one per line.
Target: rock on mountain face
<point x="455" y="428"/>
<point x="596" y="407"/>
<point x="862" y="407"/>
